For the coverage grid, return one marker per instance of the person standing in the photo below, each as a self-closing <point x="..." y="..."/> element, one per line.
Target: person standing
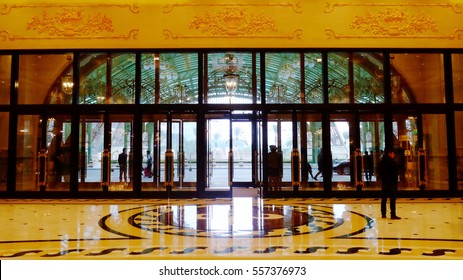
<point x="368" y="166"/>
<point x="149" y="165"/>
<point x="275" y="168"/>
<point x="122" y="160"/>
<point x="388" y="172"/>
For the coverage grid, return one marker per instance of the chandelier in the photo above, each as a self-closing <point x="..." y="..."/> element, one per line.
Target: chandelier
<point x="67" y="84"/>
<point x="231" y="78"/>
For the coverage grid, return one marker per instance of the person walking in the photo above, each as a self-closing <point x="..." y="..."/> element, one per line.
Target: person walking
<point x="320" y="165"/>
<point x="388" y="172"/>
<point x="122" y="160"/>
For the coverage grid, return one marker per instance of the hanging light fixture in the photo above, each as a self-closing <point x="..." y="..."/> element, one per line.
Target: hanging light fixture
<point x="231" y="77"/>
<point x="67" y="84"/>
<point x="231" y="82"/>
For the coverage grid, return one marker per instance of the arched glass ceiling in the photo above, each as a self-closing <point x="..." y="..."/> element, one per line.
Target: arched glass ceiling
<point x="175" y="77"/>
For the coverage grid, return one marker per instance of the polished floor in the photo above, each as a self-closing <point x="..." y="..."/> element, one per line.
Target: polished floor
<point x="238" y="228"/>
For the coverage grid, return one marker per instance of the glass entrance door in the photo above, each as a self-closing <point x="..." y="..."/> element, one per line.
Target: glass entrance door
<point x="43" y="153"/>
<point x="342" y="152"/>
<point x="232" y="153"/>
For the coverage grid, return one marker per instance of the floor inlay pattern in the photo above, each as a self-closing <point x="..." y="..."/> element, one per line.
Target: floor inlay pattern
<point x="239" y="228"/>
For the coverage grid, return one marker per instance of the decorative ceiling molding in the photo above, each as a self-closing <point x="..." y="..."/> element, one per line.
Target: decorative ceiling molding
<point x="69" y="21"/>
<point x="394" y="21"/>
<point x="295" y="6"/>
<point x="233" y="23"/>
<point x="456" y="8"/>
<point x="457" y="35"/>
<point x="296" y="35"/>
<point x="6" y="9"/>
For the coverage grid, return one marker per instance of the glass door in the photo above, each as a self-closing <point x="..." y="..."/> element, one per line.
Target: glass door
<point x="121" y="152"/>
<point x="342" y="153"/>
<point x="92" y="151"/>
<point x="232" y="153"/>
<point x="372" y="143"/>
<point x="43" y="153"/>
<point x="219" y="153"/>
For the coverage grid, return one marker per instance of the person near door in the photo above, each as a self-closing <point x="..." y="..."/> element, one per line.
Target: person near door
<point x="275" y="168"/>
<point x="320" y="165"/>
<point x="122" y="160"/>
<point x="368" y="166"/>
<point x="388" y="172"/>
<point x="149" y="165"/>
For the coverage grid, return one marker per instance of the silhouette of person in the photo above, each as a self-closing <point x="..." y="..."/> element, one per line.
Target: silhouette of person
<point x="122" y="160"/>
<point x="368" y="166"/>
<point x="275" y="168"/>
<point x="149" y="165"/>
<point x="320" y="165"/>
<point x="388" y="172"/>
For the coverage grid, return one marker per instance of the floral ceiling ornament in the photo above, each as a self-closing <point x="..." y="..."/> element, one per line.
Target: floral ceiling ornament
<point x="394" y="22"/>
<point x="233" y="22"/>
<point x="71" y="23"/>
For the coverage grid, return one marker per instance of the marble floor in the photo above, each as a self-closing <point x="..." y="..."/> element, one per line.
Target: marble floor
<point x="237" y="228"/>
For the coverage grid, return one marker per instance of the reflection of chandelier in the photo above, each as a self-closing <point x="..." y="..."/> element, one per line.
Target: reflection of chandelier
<point x="231" y="82"/>
<point x="67" y="84"/>
<point x="231" y="65"/>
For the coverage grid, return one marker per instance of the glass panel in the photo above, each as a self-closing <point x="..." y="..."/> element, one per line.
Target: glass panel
<point x="229" y="78"/>
<point x="435" y="145"/>
<point x="242" y="151"/>
<point x="218" y="153"/>
<point x="153" y="160"/>
<point x="313" y="78"/>
<point x="459" y="147"/>
<point x="338" y="78"/>
<point x="5" y="74"/>
<point x="175" y="73"/>
<point x="417" y="78"/>
<point x="28" y="142"/>
<point x="372" y="142"/>
<point x="122" y="79"/>
<point x="45" y="79"/>
<point x="457" y="71"/>
<point x="340" y="152"/>
<point x="58" y="139"/>
<point x="91" y="148"/>
<point x="280" y="135"/>
<point x="368" y="78"/>
<point x="121" y="153"/>
<point x="4" y="126"/>
<point x="311" y="143"/>
<point x="107" y="78"/>
<point x="283" y="77"/>
<point x="405" y="129"/>
<point x="187" y="159"/>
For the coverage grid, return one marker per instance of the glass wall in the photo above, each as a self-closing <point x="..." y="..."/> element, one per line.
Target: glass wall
<point x="107" y="78"/>
<point x="229" y="78"/>
<point x="313" y="78"/>
<point x="5" y="78"/>
<point x="417" y="78"/>
<point x="434" y="156"/>
<point x="169" y="78"/>
<point x="4" y="126"/>
<point x="283" y="78"/>
<point x="201" y="121"/>
<point x="457" y="73"/>
<point x="459" y="147"/>
<point x="45" y="79"/>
